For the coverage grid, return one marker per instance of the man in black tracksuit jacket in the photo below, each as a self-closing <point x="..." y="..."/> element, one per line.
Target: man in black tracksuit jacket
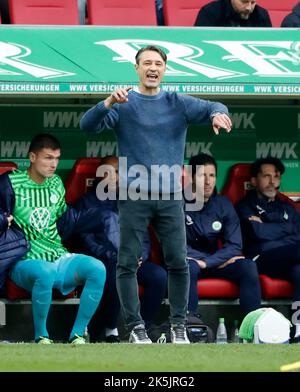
<point x="217" y="222"/>
<point x="271" y="226"/>
<point x="292" y="19"/>
<point x="233" y="13"/>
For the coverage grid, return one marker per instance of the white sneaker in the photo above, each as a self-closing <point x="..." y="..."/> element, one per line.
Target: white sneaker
<point x="139" y="335"/>
<point x="178" y="334"/>
<point x="44" y="340"/>
<point x="77" y="340"/>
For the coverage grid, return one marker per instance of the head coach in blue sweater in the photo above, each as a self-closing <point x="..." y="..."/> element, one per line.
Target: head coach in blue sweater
<point x="150" y="125"/>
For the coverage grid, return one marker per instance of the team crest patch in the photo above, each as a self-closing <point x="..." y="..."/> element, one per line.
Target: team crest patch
<point x="217" y="225"/>
<point x="188" y="220"/>
<point x="53" y="198"/>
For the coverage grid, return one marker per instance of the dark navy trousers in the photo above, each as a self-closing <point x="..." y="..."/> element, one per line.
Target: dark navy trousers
<point x="243" y="272"/>
<point x="282" y="263"/>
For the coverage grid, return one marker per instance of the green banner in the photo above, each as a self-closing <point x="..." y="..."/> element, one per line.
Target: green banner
<point x="97" y="60"/>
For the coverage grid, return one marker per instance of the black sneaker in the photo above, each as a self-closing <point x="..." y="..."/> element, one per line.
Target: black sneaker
<point x="112" y="339"/>
<point x="139" y="335"/>
<point x="178" y="334"/>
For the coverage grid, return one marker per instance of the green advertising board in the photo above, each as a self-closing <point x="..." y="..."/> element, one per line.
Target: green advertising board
<point x="250" y="66"/>
<point x="96" y="60"/>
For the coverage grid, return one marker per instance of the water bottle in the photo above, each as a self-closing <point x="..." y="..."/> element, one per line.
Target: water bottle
<point x="221" y="337"/>
<point x="235" y="333"/>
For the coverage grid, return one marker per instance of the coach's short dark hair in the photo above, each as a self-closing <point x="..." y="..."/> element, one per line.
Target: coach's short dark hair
<point x="153" y="48"/>
<point x="256" y="165"/>
<point x="44" y="140"/>
<point x="202" y="159"/>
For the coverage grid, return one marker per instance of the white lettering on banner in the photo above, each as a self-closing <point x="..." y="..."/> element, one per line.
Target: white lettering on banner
<point x="198" y="88"/>
<point x="242" y="120"/>
<point x="277" y="150"/>
<point x="95" y="149"/>
<point x="11" y="149"/>
<point x="62" y="119"/>
<point x="78" y="88"/>
<point x="253" y="54"/>
<point x="171" y="88"/>
<point x="194" y="148"/>
<point x="11" y="54"/>
<point x="263" y="89"/>
<point x="183" y="55"/>
<point x="256" y="54"/>
<point x="292" y="165"/>
<point x="29" y="87"/>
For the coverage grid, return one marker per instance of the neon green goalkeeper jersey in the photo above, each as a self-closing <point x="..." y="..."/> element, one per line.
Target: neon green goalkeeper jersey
<point x="37" y="208"/>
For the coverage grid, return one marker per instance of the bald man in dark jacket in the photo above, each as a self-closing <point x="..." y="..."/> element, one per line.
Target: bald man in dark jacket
<point x="233" y="13"/>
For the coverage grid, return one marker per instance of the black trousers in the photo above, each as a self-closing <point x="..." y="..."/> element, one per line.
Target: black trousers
<point x="167" y="218"/>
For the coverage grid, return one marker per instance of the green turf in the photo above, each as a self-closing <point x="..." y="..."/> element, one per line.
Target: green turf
<point x="129" y="357"/>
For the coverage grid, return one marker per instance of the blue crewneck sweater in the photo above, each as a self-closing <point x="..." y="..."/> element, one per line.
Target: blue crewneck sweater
<point x="151" y="130"/>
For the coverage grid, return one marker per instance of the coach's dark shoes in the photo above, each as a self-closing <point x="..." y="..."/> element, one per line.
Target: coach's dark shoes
<point x="296" y="340"/>
<point x="112" y="339"/>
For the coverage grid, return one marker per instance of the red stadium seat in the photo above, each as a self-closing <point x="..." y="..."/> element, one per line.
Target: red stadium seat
<point x="217" y="288"/>
<point x="182" y="12"/>
<point x="14" y="292"/>
<point x="278" y="9"/>
<point x="80" y="178"/>
<point x="122" y="12"/>
<point x="236" y="186"/>
<point x="44" y="12"/>
<point x="275" y="288"/>
<point x="238" y="182"/>
<point x="7" y="166"/>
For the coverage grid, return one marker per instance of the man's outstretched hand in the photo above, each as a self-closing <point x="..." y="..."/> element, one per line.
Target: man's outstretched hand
<point x="118" y="96"/>
<point x="221" y="120"/>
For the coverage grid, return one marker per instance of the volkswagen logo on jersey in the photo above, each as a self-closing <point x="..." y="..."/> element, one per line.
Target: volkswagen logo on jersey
<point x="40" y="218"/>
<point x="216" y="225"/>
<point x="188" y="220"/>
